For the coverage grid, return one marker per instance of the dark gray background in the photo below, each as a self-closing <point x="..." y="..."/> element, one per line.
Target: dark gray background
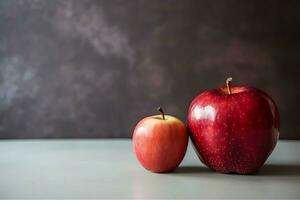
<point x="94" y="68"/>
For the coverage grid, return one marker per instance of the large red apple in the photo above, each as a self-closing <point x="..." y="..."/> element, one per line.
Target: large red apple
<point x="160" y="142"/>
<point x="234" y="129"/>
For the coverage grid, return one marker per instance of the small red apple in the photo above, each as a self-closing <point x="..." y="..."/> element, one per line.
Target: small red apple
<point x="160" y="142"/>
<point x="234" y="129"/>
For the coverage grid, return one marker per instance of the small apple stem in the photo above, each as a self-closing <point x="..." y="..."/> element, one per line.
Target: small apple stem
<point x="228" y="84"/>
<point x="162" y="112"/>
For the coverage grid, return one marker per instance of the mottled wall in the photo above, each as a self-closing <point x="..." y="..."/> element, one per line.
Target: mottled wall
<point x="91" y="68"/>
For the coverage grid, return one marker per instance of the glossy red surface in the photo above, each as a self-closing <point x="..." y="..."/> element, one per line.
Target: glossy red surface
<point x="234" y="133"/>
<point x="160" y="145"/>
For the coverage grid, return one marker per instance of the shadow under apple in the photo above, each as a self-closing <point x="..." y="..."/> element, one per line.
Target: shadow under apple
<point x="192" y="170"/>
<point x="279" y="170"/>
<point x="266" y="170"/>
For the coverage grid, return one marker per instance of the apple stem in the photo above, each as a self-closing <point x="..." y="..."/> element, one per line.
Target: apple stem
<point x="228" y="84"/>
<point x="162" y="112"/>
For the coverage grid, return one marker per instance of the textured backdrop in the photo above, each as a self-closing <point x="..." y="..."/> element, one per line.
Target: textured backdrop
<point x="92" y="68"/>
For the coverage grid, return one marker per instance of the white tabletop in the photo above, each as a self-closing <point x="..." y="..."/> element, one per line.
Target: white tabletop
<point x="60" y="169"/>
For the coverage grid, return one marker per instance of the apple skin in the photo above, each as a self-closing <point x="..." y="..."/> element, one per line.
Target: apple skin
<point x="234" y="133"/>
<point x="160" y="145"/>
